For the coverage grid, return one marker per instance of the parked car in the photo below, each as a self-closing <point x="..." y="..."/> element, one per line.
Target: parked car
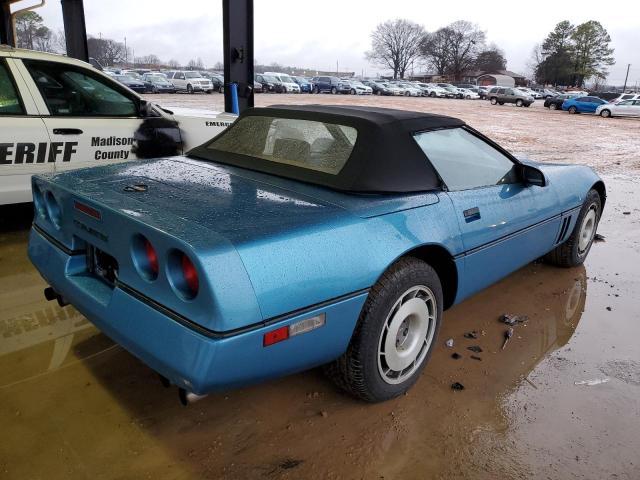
<point x="625" y="96"/>
<point x="226" y="259"/>
<point x="217" y="80"/>
<point x="452" y="92"/>
<point x="59" y="114"/>
<point x="270" y="83"/>
<point x="545" y="92"/>
<point x="582" y="104"/>
<point x="190" y="81"/>
<point x="394" y="89"/>
<point x="626" y="108"/>
<point x="468" y="94"/>
<point x="325" y="84"/>
<point x="158" y="83"/>
<point x="137" y="86"/>
<point x="464" y="85"/>
<point x="377" y="87"/>
<point x="483" y="91"/>
<point x="555" y="103"/>
<point x="290" y="86"/>
<point x="436" y="91"/>
<point x="410" y="90"/>
<point x="257" y="87"/>
<point x="304" y="84"/>
<point x="503" y="95"/>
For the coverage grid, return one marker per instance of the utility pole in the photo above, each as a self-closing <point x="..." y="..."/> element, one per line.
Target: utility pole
<point x="624" y="89"/>
<point x="126" y="53"/>
<point x="337" y="69"/>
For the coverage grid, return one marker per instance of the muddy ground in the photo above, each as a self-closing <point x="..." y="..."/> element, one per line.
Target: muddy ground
<point x="74" y="405"/>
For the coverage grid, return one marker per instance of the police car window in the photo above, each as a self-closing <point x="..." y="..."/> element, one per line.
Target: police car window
<point x="73" y="91"/>
<point x="465" y="161"/>
<point x="9" y="100"/>
<point x="320" y="146"/>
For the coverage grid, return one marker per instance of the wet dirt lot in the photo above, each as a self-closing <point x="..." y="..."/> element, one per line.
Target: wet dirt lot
<point x="74" y="405"/>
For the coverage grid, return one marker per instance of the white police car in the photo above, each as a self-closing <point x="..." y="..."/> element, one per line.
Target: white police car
<point x="58" y="113"/>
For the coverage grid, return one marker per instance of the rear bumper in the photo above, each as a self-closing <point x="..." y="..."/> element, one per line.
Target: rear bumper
<point x="192" y="360"/>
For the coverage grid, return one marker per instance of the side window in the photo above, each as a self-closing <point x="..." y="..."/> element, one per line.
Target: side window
<point x="73" y="91"/>
<point x="9" y="99"/>
<point x="501" y="91"/>
<point x="465" y="161"/>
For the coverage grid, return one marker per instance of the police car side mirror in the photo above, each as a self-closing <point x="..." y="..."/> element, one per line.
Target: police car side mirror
<point x="145" y="109"/>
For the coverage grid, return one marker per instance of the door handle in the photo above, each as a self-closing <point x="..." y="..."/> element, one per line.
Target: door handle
<point x="67" y="131"/>
<point x="471" y="214"/>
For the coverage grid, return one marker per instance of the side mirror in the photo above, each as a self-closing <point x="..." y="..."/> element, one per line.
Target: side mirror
<point x="533" y="176"/>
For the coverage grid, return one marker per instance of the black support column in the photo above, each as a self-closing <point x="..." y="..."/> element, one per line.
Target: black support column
<point x="6" y="29"/>
<point x="74" y="29"/>
<point x="237" y="24"/>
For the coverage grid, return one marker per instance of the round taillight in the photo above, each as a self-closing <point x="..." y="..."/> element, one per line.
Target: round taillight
<point x="145" y="257"/>
<point x="53" y="209"/>
<point x="190" y="275"/>
<point x="183" y="275"/>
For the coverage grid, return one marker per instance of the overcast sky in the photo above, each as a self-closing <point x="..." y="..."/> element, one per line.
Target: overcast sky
<point x="317" y="34"/>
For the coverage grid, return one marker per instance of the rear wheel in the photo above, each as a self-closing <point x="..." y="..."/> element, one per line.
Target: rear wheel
<point x="576" y="248"/>
<point x="605" y="113"/>
<point x="395" y="334"/>
<point x="432" y="94"/>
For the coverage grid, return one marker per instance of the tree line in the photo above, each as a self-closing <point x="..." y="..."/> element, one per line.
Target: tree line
<point x="571" y="54"/>
<point x="401" y="45"/>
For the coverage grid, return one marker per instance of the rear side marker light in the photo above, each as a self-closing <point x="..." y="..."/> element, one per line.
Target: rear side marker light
<point x="275" y="336"/>
<point x="297" y="328"/>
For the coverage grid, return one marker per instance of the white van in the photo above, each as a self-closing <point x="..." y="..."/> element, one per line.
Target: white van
<point x="287" y="81"/>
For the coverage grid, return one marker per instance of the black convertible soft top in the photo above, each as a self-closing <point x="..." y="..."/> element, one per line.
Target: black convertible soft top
<point x="385" y="157"/>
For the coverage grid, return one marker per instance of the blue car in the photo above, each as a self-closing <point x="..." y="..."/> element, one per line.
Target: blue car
<point x="303" y="236"/>
<point x="304" y="84"/>
<point x="582" y="104"/>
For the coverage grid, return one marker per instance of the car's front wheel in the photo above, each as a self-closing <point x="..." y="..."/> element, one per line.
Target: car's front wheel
<point x="553" y="106"/>
<point x="575" y="249"/>
<point x="494" y="101"/>
<point x="189" y="89"/>
<point x="395" y="334"/>
<point x="519" y="103"/>
<point x="573" y="110"/>
<point x="606" y="113"/>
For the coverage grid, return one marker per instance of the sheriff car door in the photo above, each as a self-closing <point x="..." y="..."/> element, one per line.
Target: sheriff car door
<point x="90" y="118"/>
<point x="24" y="143"/>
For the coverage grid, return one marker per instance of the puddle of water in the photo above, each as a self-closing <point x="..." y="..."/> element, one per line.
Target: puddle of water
<point x="73" y="405"/>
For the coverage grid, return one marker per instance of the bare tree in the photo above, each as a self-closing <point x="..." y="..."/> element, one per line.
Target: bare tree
<point x="395" y="44"/>
<point x="435" y="48"/>
<point x="173" y="64"/>
<point x="106" y="51"/>
<point x="466" y="41"/>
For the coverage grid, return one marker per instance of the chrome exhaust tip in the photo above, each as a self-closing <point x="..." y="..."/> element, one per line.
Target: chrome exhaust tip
<point x="187" y="398"/>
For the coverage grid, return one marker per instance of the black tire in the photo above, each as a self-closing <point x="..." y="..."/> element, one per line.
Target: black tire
<point x="493" y="100"/>
<point x="606" y="113"/>
<point x="406" y="94"/>
<point x="432" y="94"/>
<point x="527" y="105"/>
<point x="379" y="92"/>
<point x="500" y="103"/>
<point x="189" y="88"/>
<point x="353" y="91"/>
<point x="334" y="90"/>
<point x="573" y="110"/>
<point x="569" y="253"/>
<point x="357" y="371"/>
<point x="553" y="106"/>
<point x="316" y="89"/>
<point x="519" y="103"/>
<point x="209" y="91"/>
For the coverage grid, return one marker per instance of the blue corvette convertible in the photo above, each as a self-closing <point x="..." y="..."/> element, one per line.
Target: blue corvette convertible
<point x="304" y="236"/>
